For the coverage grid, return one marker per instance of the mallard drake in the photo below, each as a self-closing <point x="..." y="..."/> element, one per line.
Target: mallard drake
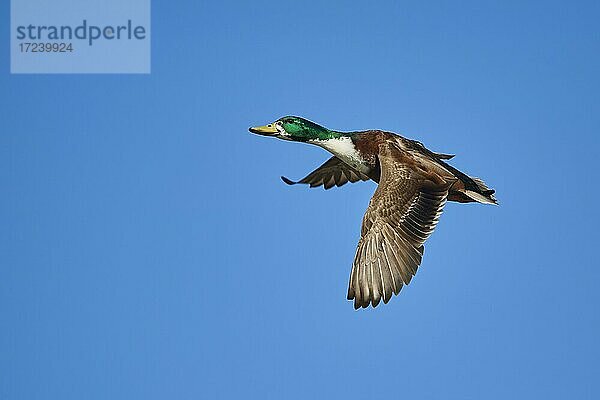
<point x="414" y="183"/>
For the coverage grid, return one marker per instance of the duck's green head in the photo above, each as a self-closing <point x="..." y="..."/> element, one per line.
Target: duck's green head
<point x="293" y="128"/>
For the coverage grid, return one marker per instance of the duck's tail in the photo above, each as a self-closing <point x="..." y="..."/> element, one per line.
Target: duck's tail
<point x="482" y="194"/>
<point x="469" y="189"/>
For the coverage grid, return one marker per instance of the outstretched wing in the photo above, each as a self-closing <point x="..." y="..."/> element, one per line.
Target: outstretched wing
<point x="334" y="172"/>
<point x="401" y="216"/>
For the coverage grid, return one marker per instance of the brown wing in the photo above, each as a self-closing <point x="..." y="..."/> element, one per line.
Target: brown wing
<point x="334" y="172"/>
<point x="401" y="216"/>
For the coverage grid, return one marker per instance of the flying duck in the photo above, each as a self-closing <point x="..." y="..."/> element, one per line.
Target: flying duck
<point x="414" y="183"/>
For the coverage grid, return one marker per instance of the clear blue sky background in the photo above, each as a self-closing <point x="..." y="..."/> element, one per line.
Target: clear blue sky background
<point x="149" y="249"/>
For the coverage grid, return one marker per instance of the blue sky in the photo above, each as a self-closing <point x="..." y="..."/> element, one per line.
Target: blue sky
<point x="149" y="250"/>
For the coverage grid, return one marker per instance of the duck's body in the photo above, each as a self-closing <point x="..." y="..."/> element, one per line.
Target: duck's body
<point x="414" y="184"/>
<point x="360" y="151"/>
